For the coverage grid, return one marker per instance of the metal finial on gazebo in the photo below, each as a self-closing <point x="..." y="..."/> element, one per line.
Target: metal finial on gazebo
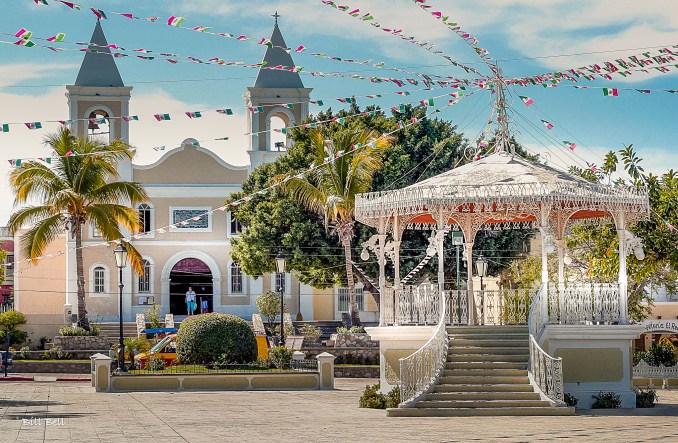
<point x="503" y="138"/>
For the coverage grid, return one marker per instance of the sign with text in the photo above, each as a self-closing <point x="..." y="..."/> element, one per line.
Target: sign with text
<point x="660" y="325"/>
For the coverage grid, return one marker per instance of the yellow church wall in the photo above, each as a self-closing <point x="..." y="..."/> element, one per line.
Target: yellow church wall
<point x="40" y="291"/>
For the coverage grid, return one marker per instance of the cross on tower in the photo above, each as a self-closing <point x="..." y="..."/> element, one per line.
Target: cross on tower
<point x="276" y="15"/>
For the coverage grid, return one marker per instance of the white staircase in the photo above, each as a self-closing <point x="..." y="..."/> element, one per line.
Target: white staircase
<point x="485" y="374"/>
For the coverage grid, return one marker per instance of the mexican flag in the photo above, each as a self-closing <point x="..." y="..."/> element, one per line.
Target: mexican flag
<point x="570" y="145"/>
<point x="33" y="125"/>
<point x="225" y="111"/>
<point x="4" y="127"/>
<point x="16" y="162"/>
<point x="71" y="5"/>
<point x="547" y="124"/>
<point x="159" y="148"/>
<point x="196" y="114"/>
<point x="129" y="118"/>
<point x="47" y="160"/>
<point x="614" y="92"/>
<point x="175" y="21"/>
<point x="57" y="38"/>
<point x="527" y="100"/>
<point x="161" y="117"/>
<point x="99" y="13"/>
<point x="429" y="102"/>
<point x="257" y="109"/>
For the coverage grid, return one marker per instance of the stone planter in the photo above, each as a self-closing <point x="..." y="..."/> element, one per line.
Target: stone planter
<point x="84" y="342"/>
<point x="355" y="340"/>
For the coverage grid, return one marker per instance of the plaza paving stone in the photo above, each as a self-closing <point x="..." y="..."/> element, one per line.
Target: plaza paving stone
<point x="77" y="413"/>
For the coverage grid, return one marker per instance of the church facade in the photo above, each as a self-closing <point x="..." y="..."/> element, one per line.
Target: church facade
<point x="186" y="181"/>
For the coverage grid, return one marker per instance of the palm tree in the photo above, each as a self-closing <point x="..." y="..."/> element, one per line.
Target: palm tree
<point x="330" y="189"/>
<point x="80" y="187"/>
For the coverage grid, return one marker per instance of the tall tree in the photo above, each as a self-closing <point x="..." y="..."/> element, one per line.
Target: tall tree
<point x="331" y="188"/>
<point x="80" y="187"/>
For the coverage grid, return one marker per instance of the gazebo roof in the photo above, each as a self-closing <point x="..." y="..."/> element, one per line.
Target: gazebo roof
<point x="506" y="185"/>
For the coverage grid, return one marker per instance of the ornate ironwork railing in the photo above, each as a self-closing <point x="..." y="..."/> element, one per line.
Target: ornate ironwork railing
<point x="419" y="304"/>
<point x="420" y="371"/>
<point x="505" y="307"/>
<point x="387" y="304"/>
<point x="644" y="370"/>
<point x="544" y="371"/>
<point x="584" y="303"/>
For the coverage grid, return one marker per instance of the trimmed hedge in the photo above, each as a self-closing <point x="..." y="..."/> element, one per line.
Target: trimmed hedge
<point x="210" y="337"/>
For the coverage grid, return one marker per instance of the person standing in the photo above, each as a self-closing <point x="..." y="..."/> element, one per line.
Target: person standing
<point x="204" y="306"/>
<point x="190" y="301"/>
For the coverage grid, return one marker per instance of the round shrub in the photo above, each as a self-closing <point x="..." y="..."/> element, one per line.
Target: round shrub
<point x="209" y="337"/>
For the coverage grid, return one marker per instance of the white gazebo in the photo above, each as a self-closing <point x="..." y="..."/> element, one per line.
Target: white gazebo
<point x="504" y="190"/>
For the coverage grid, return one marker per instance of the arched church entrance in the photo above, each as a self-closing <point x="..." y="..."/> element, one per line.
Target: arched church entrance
<point x="194" y="273"/>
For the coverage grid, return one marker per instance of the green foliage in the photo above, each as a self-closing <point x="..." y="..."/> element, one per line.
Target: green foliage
<point x="645" y="398"/>
<point x="10" y="320"/>
<point x="351" y="330"/>
<point x="393" y="398"/>
<point x="280" y="356"/>
<point x="262" y="363"/>
<point x="311" y="333"/>
<point x="571" y="400"/>
<point x="152" y="316"/>
<point x="79" y="189"/>
<point x="268" y="305"/>
<point x="77" y="331"/>
<point x="289" y="330"/>
<point x="662" y="352"/>
<point x="606" y="400"/>
<point x="22" y="354"/>
<point x="56" y="353"/>
<point x="15" y="337"/>
<point x="596" y="248"/>
<point x="3" y="255"/>
<point x="205" y="338"/>
<point x="371" y="398"/>
<point x="155" y="364"/>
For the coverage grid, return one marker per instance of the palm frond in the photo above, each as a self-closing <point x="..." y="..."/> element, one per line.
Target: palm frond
<point x="36" y="239"/>
<point x="119" y="191"/>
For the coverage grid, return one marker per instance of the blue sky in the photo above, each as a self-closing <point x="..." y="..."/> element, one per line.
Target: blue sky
<point x="525" y="38"/>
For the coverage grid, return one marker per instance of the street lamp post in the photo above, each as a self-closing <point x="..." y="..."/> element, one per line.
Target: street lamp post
<point x="121" y="261"/>
<point x="481" y="270"/>
<point x="280" y="265"/>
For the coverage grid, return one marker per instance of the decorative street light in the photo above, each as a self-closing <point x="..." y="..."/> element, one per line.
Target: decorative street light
<point x="121" y="261"/>
<point x="280" y="265"/>
<point x="481" y="269"/>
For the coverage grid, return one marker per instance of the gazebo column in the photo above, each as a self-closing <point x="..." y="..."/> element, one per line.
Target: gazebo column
<point x="397" y="233"/>
<point x="620" y="220"/>
<point x="560" y="244"/>
<point x="468" y="250"/>
<point x="382" y="269"/>
<point x="544" y="231"/>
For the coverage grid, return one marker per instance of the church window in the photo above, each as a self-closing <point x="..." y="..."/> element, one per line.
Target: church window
<point x="145" y="217"/>
<point x="145" y="278"/>
<point x="236" y="279"/>
<point x="235" y="228"/>
<point x="99" y="280"/>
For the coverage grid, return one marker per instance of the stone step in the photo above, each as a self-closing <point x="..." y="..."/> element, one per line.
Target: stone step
<point x="483" y="404"/>
<point x="485" y="336"/>
<point x="470" y="412"/>
<point x="483" y="380"/>
<point x="487" y="329"/>
<point x="463" y="342"/>
<point x="490" y="365"/>
<point x="493" y="388"/>
<point x="437" y="396"/>
<point x="522" y="358"/>
<point x="487" y="350"/>
<point x="485" y="373"/>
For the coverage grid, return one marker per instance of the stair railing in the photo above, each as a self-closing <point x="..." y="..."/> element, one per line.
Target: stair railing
<point x="420" y="371"/>
<point x="545" y="372"/>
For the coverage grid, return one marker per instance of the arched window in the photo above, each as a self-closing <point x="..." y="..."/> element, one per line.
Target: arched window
<point x="236" y="279"/>
<point x="99" y="280"/>
<point x="145" y="278"/>
<point x="145" y="217"/>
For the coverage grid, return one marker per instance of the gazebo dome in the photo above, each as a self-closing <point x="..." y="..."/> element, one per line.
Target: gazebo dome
<point x="504" y="188"/>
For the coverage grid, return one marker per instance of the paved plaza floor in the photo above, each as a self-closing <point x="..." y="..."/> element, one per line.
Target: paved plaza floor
<point x="71" y="411"/>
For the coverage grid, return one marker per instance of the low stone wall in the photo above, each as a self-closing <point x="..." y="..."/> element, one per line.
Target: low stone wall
<point x="356" y="371"/>
<point x="98" y="342"/>
<point x="58" y="367"/>
<point x="347" y="356"/>
<point x="356" y="340"/>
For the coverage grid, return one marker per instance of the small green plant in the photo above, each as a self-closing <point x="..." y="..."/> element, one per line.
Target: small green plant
<point x="646" y="398"/>
<point x="661" y="353"/>
<point x="351" y="330"/>
<point x="393" y="398"/>
<point x="134" y="346"/>
<point x="9" y="322"/>
<point x="152" y="315"/>
<point x="77" y="331"/>
<point x="289" y="330"/>
<point x="372" y="399"/>
<point x="56" y="353"/>
<point x="268" y="305"/>
<point x="262" y="363"/>
<point x="22" y="354"/>
<point x="311" y="333"/>
<point x="155" y="364"/>
<point x="606" y="400"/>
<point x="571" y="400"/>
<point x="280" y="356"/>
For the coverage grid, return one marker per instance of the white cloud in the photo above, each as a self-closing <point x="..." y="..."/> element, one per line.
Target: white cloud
<point x="16" y="73"/>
